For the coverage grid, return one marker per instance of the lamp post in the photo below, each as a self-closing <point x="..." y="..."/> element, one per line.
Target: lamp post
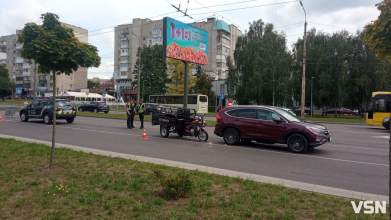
<point x="312" y="111"/>
<point x="304" y="62"/>
<point x="143" y="90"/>
<point x="138" y="78"/>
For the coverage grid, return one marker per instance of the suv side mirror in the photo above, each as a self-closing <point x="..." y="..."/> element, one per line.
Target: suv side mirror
<point x="278" y="120"/>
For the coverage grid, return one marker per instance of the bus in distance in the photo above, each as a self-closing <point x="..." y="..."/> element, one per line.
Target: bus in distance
<point x="194" y="101"/>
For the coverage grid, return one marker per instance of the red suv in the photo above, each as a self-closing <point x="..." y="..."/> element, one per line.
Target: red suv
<point x="266" y="124"/>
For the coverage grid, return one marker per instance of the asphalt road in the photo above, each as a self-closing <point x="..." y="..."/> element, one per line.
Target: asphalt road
<point x="356" y="159"/>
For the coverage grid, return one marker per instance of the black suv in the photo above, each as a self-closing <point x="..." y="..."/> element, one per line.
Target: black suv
<point x="43" y="109"/>
<point x="94" y="107"/>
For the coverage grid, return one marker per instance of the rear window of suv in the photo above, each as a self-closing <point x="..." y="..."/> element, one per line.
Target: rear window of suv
<point x="232" y="112"/>
<point x="246" y="113"/>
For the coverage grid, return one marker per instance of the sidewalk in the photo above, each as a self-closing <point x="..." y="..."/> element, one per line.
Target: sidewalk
<point x="258" y="178"/>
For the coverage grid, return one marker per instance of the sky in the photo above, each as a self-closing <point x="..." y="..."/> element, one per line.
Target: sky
<point x="100" y="16"/>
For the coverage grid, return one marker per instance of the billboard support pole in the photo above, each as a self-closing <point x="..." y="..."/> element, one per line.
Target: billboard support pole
<point x="185" y="86"/>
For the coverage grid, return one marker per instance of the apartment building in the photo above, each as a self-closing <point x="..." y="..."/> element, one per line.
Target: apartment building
<point x="128" y="37"/>
<point x="24" y="74"/>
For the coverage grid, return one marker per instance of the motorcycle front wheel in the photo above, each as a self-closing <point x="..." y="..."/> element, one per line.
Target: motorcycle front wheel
<point x="203" y="136"/>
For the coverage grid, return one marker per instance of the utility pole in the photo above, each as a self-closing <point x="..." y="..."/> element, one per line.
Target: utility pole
<point x="35" y="80"/>
<point x="304" y="62"/>
<point x="185" y="86"/>
<point x="312" y="111"/>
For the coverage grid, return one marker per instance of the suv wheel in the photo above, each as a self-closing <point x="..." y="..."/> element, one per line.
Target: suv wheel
<point x="23" y="117"/>
<point x="46" y="119"/>
<point x="297" y="143"/>
<point x="70" y="120"/>
<point x="231" y="136"/>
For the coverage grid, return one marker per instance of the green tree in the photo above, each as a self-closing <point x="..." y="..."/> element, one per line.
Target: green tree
<point x="260" y="72"/>
<point x="92" y="84"/>
<point x="6" y="87"/>
<point x="204" y="86"/>
<point x="176" y="69"/>
<point x="57" y="50"/>
<point x="378" y="34"/>
<point x="153" y="71"/>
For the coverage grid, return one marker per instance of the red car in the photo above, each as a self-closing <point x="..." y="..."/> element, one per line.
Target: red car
<point x="346" y="111"/>
<point x="269" y="125"/>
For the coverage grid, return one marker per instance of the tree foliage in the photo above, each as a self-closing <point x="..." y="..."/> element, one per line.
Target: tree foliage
<point x="92" y="84"/>
<point x="176" y="69"/>
<point x="153" y="71"/>
<point x="6" y="87"/>
<point x="261" y="67"/>
<point x="378" y="34"/>
<point x="56" y="49"/>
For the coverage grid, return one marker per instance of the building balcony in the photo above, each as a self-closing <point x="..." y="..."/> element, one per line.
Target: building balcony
<point x="3" y="62"/>
<point x="3" y="56"/>
<point x="42" y="81"/>
<point x="19" y="82"/>
<point x="19" y="60"/>
<point x="124" y="53"/>
<point x="26" y="65"/>
<point x="125" y="46"/>
<point x="3" y="44"/>
<point x="26" y="73"/>
<point x="124" y="69"/>
<point x="222" y="53"/>
<point x="19" y="46"/>
<point x="17" y="67"/>
<point x="125" y="61"/>
<point x="124" y="38"/>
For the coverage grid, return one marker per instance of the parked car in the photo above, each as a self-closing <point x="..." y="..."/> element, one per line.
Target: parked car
<point x="346" y="111"/>
<point x="298" y="109"/>
<point x="94" y="107"/>
<point x="150" y="108"/>
<point x="332" y="111"/>
<point x="269" y="125"/>
<point x="43" y="109"/>
<point x="386" y="123"/>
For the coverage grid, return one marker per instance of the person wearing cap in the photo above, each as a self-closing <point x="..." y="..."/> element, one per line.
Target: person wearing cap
<point x="130" y="112"/>
<point x="141" y="110"/>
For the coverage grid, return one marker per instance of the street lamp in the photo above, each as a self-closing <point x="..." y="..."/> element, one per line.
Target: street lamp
<point x="138" y="78"/>
<point x="312" y="111"/>
<point x="143" y="90"/>
<point x="304" y="62"/>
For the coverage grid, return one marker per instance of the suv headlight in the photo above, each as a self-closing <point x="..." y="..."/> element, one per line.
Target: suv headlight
<point x="314" y="130"/>
<point x="386" y="119"/>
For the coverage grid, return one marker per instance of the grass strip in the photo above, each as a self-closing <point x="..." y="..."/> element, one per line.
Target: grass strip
<point x="88" y="186"/>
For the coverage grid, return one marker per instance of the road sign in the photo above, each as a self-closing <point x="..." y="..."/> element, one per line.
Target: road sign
<point x="18" y="91"/>
<point x="234" y="103"/>
<point x="103" y="94"/>
<point x="222" y="96"/>
<point x="230" y="102"/>
<point x="87" y="93"/>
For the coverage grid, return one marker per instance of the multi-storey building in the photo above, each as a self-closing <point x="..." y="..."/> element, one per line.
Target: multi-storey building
<point x="24" y="74"/>
<point x="128" y="37"/>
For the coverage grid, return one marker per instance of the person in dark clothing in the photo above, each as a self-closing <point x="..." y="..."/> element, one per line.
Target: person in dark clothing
<point x="130" y="112"/>
<point x="141" y="110"/>
<point x="218" y="108"/>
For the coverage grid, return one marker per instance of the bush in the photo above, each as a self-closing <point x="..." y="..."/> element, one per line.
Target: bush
<point x="175" y="185"/>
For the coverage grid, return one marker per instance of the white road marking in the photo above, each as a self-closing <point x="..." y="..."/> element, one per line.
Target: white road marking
<point x="355" y="132"/>
<point x="365" y="148"/>
<point x="386" y="137"/>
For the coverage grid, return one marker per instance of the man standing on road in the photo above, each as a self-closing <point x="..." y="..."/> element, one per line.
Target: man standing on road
<point x="141" y="110"/>
<point x="130" y="112"/>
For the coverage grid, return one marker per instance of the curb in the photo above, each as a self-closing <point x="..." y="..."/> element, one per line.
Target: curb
<point x="212" y="170"/>
<point x="338" y="123"/>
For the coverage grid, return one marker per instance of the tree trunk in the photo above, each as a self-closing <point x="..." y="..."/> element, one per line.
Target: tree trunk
<point x="335" y="114"/>
<point x="54" y="118"/>
<point x="389" y="174"/>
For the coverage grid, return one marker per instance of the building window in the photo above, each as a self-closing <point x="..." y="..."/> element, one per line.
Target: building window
<point x="71" y="78"/>
<point x="124" y="73"/>
<point x="26" y="70"/>
<point x="156" y="40"/>
<point x="156" y="31"/>
<point x="143" y="37"/>
<point x="124" y="65"/>
<point x="70" y="86"/>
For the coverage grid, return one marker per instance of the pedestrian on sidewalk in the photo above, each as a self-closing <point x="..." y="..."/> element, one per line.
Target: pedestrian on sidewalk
<point x="141" y="110"/>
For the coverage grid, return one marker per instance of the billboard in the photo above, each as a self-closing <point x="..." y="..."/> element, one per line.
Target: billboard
<point x="184" y="42"/>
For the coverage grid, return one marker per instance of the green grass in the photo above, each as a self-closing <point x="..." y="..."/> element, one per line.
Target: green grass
<point x="340" y="118"/>
<point x="87" y="186"/>
<point x="14" y="102"/>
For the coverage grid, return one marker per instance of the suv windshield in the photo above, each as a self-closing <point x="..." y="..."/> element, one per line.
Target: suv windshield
<point x="64" y="103"/>
<point x="287" y="115"/>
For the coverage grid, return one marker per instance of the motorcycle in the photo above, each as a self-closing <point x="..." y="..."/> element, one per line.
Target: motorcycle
<point x="196" y="129"/>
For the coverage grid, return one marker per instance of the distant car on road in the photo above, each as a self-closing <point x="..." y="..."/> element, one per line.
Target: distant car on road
<point x="346" y="111"/>
<point x="269" y="125"/>
<point x="386" y="123"/>
<point x="289" y="110"/>
<point x="43" y="109"/>
<point x="150" y="108"/>
<point x="94" y="106"/>
<point x="298" y="109"/>
<point x="332" y="111"/>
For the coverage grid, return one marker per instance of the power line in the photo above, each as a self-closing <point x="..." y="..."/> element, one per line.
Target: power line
<point x="332" y="26"/>
<point x="233" y="3"/>
<point x="296" y="24"/>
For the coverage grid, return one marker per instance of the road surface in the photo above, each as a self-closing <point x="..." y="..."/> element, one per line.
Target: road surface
<point x="356" y="159"/>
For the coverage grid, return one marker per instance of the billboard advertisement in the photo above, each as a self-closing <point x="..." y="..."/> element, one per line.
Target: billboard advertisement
<point x="184" y="42"/>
